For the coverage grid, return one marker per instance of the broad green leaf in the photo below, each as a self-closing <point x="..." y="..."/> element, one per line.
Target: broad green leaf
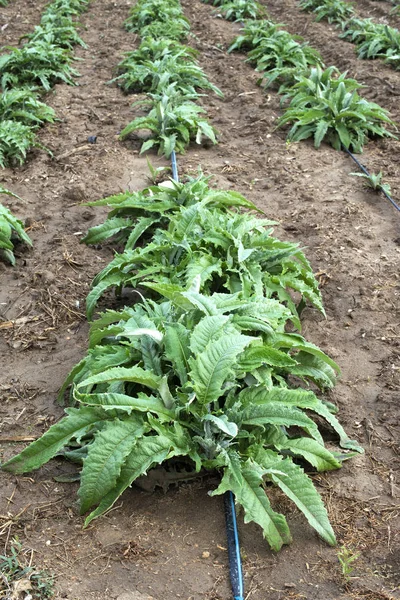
<point x="274" y="413"/>
<point x="211" y="367"/>
<point x="245" y="481"/>
<point x="300" y="489"/>
<point x="223" y="424"/>
<point x="148" y="451"/>
<point x="111" y="280"/>
<point x="312" y="451"/>
<point x="207" y="330"/>
<point x="177" y="351"/>
<point x="132" y="374"/>
<point x="113" y="400"/>
<point x="110" y="227"/>
<point x="102" y="466"/>
<point x="75" y="424"/>
<point x="256" y="356"/>
<point x="312" y="367"/>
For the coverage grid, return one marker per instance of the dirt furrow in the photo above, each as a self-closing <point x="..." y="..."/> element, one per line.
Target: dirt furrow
<point x="18" y="19"/>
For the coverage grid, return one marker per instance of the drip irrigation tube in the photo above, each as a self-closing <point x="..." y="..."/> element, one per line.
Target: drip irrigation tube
<point x="365" y="171"/>
<point x="235" y="563"/>
<point x="174" y="165"/>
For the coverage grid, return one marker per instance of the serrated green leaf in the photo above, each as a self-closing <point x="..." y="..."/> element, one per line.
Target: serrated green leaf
<point x="113" y="400"/>
<point x="132" y="374"/>
<point x="245" y="481"/>
<point x="148" y="451"/>
<point x="77" y="421"/>
<point x="299" y="488"/>
<point x="211" y="367"/>
<point x="106" y="455"/>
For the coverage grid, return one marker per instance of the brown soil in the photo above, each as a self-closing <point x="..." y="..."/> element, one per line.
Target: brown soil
<point x="173" y="545"/>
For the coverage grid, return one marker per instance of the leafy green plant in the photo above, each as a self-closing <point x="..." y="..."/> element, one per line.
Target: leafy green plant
<point x="57" y="32"/>
<point x="281" y="55"/>
<point x="11" y="229"/>
<point x="346" y="558"/>
<point x="374" y="181"/>
<point x="175" y="29"/>
<point x="151" y="49"/>
<point x="40" y="63"/>
<point x="237" y="10"/>
<point x="157" y="74"/>
<point x="374" y="40"/>
<point x="165" y="14"/>
<point x="15" y="570"/>
<point x="174" y="121"/>
<point x="3" y="2"/>
<point x="15" y="141"/>
<point x="196" y="382"/>
<point x="156" y="172"/>
<point x="253" y="33"/>
<point x="23" y="105"/>
<point x="174" y="233"/>
<point x="335" y="11"/>
<point x="326" y="105"/>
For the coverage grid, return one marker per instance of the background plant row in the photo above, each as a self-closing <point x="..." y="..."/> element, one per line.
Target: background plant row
<point x="28" y="72"/>
<point x="373" y="40"/>
<point x="168" y="72"/>
<point x="324" y="103"/>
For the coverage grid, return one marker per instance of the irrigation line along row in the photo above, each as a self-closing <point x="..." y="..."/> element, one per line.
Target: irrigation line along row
<point x="232" y="534"/>
<point x="345" y="149"/>
<point x="365" y="171"/>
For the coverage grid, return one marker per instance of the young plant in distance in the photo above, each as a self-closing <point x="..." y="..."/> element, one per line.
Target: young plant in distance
<point x="196" y="380"/>
<point x="57" y="32"/>
<point x="15" y="141"/>
<point x="326" y="105"/>
<point x="374" y="40"/>
<point x="280" y="55"/>
<point x="174" y="29"/>
<point x="374" y="181"/>
<point x="152" y="49"/>
<point x="11" y="229"/>
<point x="17" y="571"/>
<point x="334" y="11"/>
<point x="156" y="75"/>
<point x="23" y="105"/>
<point x="165" y="14"/>
<point x="36" y="64"/>
<point x="237" y="10"/>
<point x="174" y="122"/>
<point x="253" y="33"/>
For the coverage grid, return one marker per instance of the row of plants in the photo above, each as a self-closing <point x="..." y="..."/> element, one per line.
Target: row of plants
<point x="207" y="366"/>
<point x="320" y="102"/>
<point x="11" y="231"/>
<point x="28" y="72"/>
<point x="168" y="73"/>
<point x="373" y="40"/>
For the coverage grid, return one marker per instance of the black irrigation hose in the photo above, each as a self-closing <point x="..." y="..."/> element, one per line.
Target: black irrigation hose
<point x="365" y="171"/>
<point x="235" y="563"/>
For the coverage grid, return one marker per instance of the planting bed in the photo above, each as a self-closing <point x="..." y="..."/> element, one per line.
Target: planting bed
<point x="171" y="543"/>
